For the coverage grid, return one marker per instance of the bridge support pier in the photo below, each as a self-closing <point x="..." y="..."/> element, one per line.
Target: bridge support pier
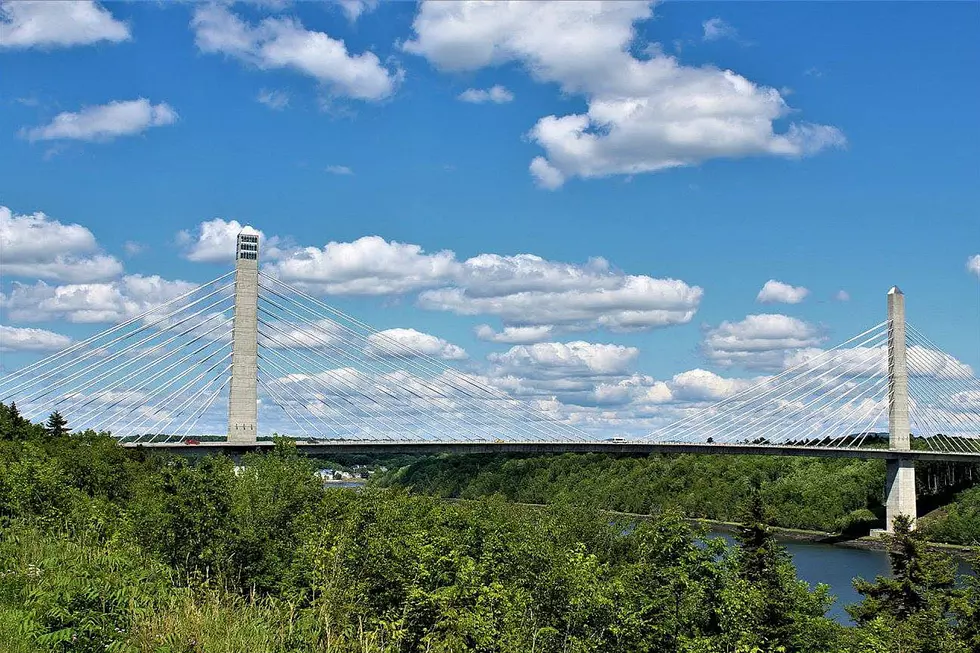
<point x="243" y="393"/>
<point x="900" y="490"/>
<point x="900" y="479"/>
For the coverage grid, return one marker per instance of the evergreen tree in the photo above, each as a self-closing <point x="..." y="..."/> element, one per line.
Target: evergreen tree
<point x="15" y="416"/>
<point x="918" y="577"/>
<point x="914" y="610"/>
<point x="14" y="426"/>
<point x="761" y="555"/>
<point x="57" y="425"/>
<point x="768" y="569"/>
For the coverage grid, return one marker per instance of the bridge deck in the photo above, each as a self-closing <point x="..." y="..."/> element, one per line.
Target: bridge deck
<point x="635" y="448"/>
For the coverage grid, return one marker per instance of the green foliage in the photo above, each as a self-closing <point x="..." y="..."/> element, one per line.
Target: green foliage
<point x="834" y="495"/>
<point x="57" y="425"/>
<point x="76" y="594"/>
<point x="184" y="513"/>
<point x="106" y="549"/>
<point x="32" y="484"/>
<point x="270" y="502"/>
<point x="784" y="613"/>
<point x="14" y="427"/>
<point x="966" y="610"/>
<point x="815" y="493"/>
<point x="958" y="522"/>
<point x="913" y="610"/>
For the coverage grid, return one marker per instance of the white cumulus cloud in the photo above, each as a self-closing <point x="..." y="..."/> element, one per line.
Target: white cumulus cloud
<point x="17" y="339"/>
<point x="285" y="43"/>
<point x="515" y="335"/>
<point x="635" y="390"/>
<point x="701" y="385"/>
<point x="408" y="342"/>
<point x="564" y="359"/>
<point x="644" y="114"/>
<point x="90" y="302"/>
<point x="496" y="94"/>
<point x="37" y="246"/>
<point x="759" y="341"/>
<point x="973" y="264"/>
<point x="104" y="122"/>
<point x="591" y="385"/>
<point x="871" y="361"/>
<point x="627" y="303"/>
<point x="275" y="100"/>
<point x="367" y="266"/>
<point x="533" y="297"/>
<point x="523" y="290"/>
<point x="353" y="9"/>
<point x="215" y="240"/>
<point x="44" y="24"/>
<point x="281" y="334"/>
<point x="774" y="292"/>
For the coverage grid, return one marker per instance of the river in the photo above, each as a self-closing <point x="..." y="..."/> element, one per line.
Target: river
<point x="837" y="566"/>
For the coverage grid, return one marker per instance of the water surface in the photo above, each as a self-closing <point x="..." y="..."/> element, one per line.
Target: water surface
<point x="837" y="566"/>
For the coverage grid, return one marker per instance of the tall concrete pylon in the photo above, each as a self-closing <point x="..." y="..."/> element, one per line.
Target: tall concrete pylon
<point x="243" y="395"/>
<point x="900" y="482"/>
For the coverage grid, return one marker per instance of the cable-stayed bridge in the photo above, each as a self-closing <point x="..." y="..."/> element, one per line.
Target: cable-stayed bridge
<point x="247" y="355"/>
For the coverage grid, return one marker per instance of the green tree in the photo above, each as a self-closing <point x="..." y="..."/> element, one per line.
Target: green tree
<point x="779" y="611"/>
<point x="15" y="418"/>
<point x="271" y="500"/>
<point x="966" y="610"/>
<point x="105" y="548"/>
<point x="760" y="554"/>
<point x="918" y="577"/>
<point x="57" y="425"/>
<point x="183" y="512"/>
<point x="913" y="610"/>
<point x="13" y="426"/>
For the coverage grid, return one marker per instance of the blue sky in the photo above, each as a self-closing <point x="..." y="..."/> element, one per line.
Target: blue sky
<point x="840" y="153"/>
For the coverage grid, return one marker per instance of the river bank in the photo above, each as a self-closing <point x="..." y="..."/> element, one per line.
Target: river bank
<point x="827" y="497"/>
<point x="866" y="543"/>
<point x="348" y="483"/>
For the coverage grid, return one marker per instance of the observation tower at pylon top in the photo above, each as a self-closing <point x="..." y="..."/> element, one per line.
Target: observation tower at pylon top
<point x="243" y="399"/>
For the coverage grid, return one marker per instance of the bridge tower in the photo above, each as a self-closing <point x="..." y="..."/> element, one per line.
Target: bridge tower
<point x="900" y="481"/>
<point x="243" y="396"/>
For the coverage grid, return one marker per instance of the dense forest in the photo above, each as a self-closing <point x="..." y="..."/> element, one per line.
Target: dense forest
<point x="107" y="549"/>
<point x="827" y="494"/>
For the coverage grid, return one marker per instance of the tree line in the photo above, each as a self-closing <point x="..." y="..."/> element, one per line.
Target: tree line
<point x="840" y="495"/>
<point x="104" y="548"/>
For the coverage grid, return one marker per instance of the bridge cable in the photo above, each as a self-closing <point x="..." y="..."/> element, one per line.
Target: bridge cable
<point x="757" y="392"/>
<point x="396" y="347"/>
<point x="761" y="395"/>
<point x="37" y="366"/>
<point x="343" y="380"/>
<point x="385" y="362"/>
<point x="370" y="349"/>
<point x="72" y="348"/>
